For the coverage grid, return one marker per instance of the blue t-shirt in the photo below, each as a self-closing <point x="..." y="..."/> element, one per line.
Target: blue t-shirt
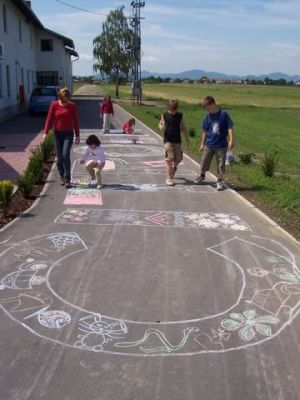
<point x="216" y="127"/>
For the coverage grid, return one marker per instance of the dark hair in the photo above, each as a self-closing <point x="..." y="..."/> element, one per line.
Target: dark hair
<point x="132" y="121"/>
<point x="173" y="105"/>
<point x="208" y="101"/>
<point x="93" y="139"/>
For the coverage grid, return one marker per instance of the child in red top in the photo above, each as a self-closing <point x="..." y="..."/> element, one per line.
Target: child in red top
<point x="107" y="112"/>
<point x="128" y="127"/>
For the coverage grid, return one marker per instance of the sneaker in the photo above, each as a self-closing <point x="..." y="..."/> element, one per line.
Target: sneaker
<point x="200" y="179"/>
<point x="62" y="182"/>
<point x="169" y="182"/>
<point x="220" y="185"/>
<point x="68" y="185"/>
<point x="99" y="187"/>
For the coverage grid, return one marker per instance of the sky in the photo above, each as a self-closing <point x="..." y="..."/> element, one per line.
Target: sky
<point x="229" y="36"/>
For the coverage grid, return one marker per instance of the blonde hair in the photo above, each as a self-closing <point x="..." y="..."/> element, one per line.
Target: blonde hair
<point x="63" y="93"/>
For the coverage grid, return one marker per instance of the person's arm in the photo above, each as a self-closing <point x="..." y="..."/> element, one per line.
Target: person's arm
<point x="231" y="138"/>
<point x="162" y="123"/>
<point x="184" y="130"/>
<point x="203" y="140"/>
<point x="50" y="119"/>
<point x="85" y="156"/>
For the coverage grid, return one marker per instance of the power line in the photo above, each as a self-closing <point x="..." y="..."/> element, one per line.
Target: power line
<point x="80" y="9"/>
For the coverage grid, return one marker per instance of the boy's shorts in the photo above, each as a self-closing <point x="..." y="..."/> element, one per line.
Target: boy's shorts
<point x="173" y="152"/>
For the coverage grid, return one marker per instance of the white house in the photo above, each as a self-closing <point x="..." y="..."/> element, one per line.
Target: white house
<point x="30" y="55"/>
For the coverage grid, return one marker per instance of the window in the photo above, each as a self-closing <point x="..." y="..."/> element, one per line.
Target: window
<point x="8" y="80"/>
<point x="1" y="82"/>
<point x="46" y="45"/>
<point x="4" y="11"/>
<point x="20" y="31"/>
<point x="47" y="78"/>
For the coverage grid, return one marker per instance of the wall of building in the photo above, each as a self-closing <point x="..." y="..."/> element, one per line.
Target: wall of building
<point x="23" y="58"/>
<point x="19" y="56"/>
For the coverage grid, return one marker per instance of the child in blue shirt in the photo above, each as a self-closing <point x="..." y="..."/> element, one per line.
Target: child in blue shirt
<point x="217" y="125"/>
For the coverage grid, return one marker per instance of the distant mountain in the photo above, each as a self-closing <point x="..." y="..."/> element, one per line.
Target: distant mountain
<point x="198" y="73"/>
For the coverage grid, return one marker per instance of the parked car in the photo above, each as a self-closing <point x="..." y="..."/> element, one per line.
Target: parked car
<point x="41" y="98"/>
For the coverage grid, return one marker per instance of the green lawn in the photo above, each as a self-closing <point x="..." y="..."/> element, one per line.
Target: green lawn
<point x="272" y="125"/>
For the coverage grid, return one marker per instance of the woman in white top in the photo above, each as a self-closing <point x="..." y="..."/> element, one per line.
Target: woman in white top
<point x="94" y="160"/>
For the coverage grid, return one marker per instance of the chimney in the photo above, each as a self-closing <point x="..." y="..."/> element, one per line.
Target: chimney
<point x="28" y="3"/>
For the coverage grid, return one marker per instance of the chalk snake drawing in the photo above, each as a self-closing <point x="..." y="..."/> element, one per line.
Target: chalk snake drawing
<point x="254" y="318"/>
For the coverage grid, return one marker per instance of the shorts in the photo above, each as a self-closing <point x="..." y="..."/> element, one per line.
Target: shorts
<point x="173" y="152"/>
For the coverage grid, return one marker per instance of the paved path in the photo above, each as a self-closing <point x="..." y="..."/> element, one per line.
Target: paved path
<point x="18" y="136"/>
<point x="143" y="292"/>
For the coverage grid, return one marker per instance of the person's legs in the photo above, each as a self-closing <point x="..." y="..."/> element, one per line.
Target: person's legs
<point x="59" y="144"/>
<point x="169" y="158"/>
<point x="90" y="167"/>
<point x="178" y="156"/>
<point x="66" y="155"/>
<point x="207" y="156"/>
<point x="97" y="171"/>
<point x="221" y="162"/>
<point x="106" y="122"/>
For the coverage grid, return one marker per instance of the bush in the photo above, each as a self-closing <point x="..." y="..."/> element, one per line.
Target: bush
<point x="25" y="183"/>
<point x="35" y="165"/>
<point x="6" y="192"/>
<point x="192" y="132"/>
<point x="269" y="163"/>
<point x="47" y="147"/>
<point x="246" y="158"/>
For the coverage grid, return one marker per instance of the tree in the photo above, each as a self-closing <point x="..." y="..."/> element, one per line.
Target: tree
<point x="113" y="48"/>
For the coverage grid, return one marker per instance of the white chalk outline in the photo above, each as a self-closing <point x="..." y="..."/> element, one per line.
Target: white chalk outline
<point x="292" y="316"/>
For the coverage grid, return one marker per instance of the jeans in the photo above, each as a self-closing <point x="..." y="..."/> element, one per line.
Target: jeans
<point x="208" y="155"/>
<point x="107" y="122"/>
<point x="63" y="145"/>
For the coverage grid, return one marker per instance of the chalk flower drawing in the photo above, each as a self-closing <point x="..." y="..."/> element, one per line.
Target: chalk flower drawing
<point x="249" y="324"/>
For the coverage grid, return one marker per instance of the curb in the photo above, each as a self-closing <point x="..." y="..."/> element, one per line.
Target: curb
<point x="240" y="197"/>
<point x="35" y="203"/>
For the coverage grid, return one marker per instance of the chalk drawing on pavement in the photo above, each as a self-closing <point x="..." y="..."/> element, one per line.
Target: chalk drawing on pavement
<point x="248" y="322"/>
<point x="81" y="196"/>
<point x="148" y="218"/>
<point x="117" y="151"/>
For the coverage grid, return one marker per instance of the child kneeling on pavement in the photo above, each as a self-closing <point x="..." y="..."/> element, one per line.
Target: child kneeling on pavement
<point x="216" y="127"/>
<point x="172" y="124"/>
<point x="94" y="160"/>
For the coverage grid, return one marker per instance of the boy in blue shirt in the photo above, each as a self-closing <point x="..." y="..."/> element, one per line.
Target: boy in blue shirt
<point x="217" y="125"/>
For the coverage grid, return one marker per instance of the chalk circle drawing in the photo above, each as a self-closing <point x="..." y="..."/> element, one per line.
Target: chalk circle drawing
<point x="82" y="196"/>
<point x="116" y="151"/>
<point x="253" y="319"/>
<point x="153" y="218"/>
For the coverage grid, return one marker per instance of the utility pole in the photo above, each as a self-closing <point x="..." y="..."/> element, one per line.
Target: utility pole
<point x="136" y="93"/>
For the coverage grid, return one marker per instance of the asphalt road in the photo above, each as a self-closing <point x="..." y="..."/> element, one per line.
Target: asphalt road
<point x="144" y="292"/>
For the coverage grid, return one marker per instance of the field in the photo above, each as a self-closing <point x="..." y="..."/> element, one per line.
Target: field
<point x="267" y="119"/>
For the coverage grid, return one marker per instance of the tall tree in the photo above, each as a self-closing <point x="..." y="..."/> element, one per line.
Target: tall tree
<point x="112" y="48"/>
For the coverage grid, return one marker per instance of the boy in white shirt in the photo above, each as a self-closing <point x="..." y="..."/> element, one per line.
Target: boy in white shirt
<point x="94" y="159"/>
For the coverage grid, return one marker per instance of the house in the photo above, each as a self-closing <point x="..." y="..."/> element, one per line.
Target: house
<point x="30" y="54"/>
<point x="204" y="80"/>
<point x="297" y="83"/>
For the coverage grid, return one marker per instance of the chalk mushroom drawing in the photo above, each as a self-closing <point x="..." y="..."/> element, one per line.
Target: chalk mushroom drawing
<point x="267" y="301"/>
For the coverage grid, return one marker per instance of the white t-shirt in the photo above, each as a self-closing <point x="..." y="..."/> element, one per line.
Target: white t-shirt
<point x="96" y="154"/>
